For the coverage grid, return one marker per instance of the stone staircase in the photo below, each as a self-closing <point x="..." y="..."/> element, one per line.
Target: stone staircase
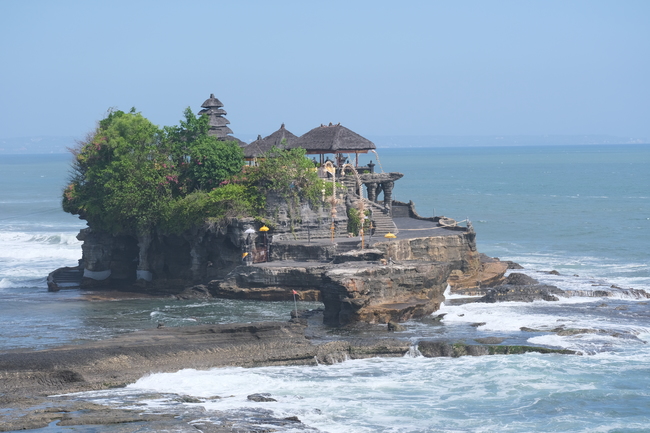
<point x="382" y="221"/>
<point x="64" y="277"/>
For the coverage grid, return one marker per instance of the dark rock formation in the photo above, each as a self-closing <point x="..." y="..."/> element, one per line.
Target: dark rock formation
<point x="395" y="327"/>
<point x="518" y="279"/>
<point x="527" y="293"/>
<point x="273" y="281"/>
<point x="521" y="288"/>
<point x="367" y="255"/>
<point x="378" y="294"/>
<point x="195" y="292"/>
<point x="435" y="349"/>
<point x="124" y="359"/>
<point x="262" y="397"/>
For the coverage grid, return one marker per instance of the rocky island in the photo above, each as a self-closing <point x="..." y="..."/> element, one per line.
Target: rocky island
<point x="191" y="211"/>
<point x="327" y="229"/>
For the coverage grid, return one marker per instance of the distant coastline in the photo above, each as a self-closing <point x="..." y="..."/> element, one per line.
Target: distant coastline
<point x="60" y="144"/>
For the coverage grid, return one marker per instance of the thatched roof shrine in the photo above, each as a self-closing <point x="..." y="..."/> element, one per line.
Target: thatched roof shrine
<point x="218" y="123"/>
<point x="262" y="145"/>
<point x="333" y="139"/>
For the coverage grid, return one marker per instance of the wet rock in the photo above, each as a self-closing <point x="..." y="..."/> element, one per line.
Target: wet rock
<point x="261" y="398"/>
<point x="571" y="331"/>
<point x="519" y="279"/>
<point x="526" y="293"/>
<point x="553" y="272"/>
<point x="434" y="349"/>
<point x="188" y="399"/>
<point x="434" y="319"/>
<point x="379" y="294"/>
<point x="195" y="292"/>
<point x="299" y="320"/>
<point x="490" y="340"/>
<point x="477" y="324"/>
<point x="395" y="327"/>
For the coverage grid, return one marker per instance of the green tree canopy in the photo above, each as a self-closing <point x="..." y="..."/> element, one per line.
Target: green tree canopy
<point x="121" y="175"/>
<point x="130" y="177"/>
<point x="128" y="174"/>
<point x="204" y="162"/>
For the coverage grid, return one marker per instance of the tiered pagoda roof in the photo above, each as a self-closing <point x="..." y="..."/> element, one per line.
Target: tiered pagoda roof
<point x="218" y="124"/>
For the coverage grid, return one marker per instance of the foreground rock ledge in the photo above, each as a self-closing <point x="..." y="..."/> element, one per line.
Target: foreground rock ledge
<point x="125" y="359"/>
<point x="27" y="377"/>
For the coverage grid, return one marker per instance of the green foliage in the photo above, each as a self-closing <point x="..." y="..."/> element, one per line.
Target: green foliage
<point x="212" y="162"/>
<point x="119" y="181"/>
<point x="216" y="206"/>
<point x="203" y="161"/>
<point x="129" y="176"/>
<point x="292" y="176"/>
<point x="354" y="221"/>
<point x="288" y="173"/>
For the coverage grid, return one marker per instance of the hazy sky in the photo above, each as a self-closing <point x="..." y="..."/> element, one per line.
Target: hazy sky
<point x="378" y="67"/>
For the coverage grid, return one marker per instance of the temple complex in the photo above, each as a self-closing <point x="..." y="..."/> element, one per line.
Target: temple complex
<point x="343" y="250"/>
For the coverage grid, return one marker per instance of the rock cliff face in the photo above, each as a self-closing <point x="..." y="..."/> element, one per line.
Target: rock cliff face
<point x="375" y="293"/>
<point x="393" y="281"/>
<point x="308" y="251"/>
<point x="459" y="250"/>
<point x="174" y="262"/>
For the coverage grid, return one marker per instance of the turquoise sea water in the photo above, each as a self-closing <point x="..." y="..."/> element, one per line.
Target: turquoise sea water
<point x="582" y="210"/>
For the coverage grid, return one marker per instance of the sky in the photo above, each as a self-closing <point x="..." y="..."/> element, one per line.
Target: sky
<point x="418" y="68"/>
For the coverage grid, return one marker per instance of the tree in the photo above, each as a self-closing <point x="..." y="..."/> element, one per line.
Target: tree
<point x="204" y="161"/>
<point x="122" y="177"/>
<point x="289" y="174"/>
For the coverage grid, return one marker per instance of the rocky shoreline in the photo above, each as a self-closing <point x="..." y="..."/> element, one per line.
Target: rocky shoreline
<point x="32" y="382"/>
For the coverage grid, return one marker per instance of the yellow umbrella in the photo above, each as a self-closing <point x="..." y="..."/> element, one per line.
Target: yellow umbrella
<point x="390" y="236"/>
<point x="264" y="228"/>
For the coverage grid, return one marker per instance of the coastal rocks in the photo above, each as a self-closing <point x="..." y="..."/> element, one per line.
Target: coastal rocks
<point x="519" y="293"/>
<point x="33" y="413"/>
<point x="569" y="332"/>
<point x="374" y="293"/>
<point x="395" y="327"/>
<point x="300" y="251"/>
<point x="64" y="277"/>
<point x="273" y="281"/>
<point x="519" y="287"/>
<point x="436" y="349"/>
<point x="124" y="359"/>
<point x="367" y="255"/>
<point x="195" y="292"/>
<point x="518" y="279"/>
<point x="264" y="397"/>
<point x="355" y="289"/>
<point x="459" y="250"/>
<point x="173" y="261"/>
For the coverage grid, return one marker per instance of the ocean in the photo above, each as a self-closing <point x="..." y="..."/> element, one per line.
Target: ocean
<point x="583" y="211"/>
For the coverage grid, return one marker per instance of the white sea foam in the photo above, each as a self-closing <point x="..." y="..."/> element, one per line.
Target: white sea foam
<point x="507" y="393"/>
<point x="25" y="256"/>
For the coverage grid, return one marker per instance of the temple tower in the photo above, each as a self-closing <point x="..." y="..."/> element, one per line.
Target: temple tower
<point x="218" y="124"/>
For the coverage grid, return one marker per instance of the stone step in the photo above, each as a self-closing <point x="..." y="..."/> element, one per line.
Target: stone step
<point x="64" y="277"/>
